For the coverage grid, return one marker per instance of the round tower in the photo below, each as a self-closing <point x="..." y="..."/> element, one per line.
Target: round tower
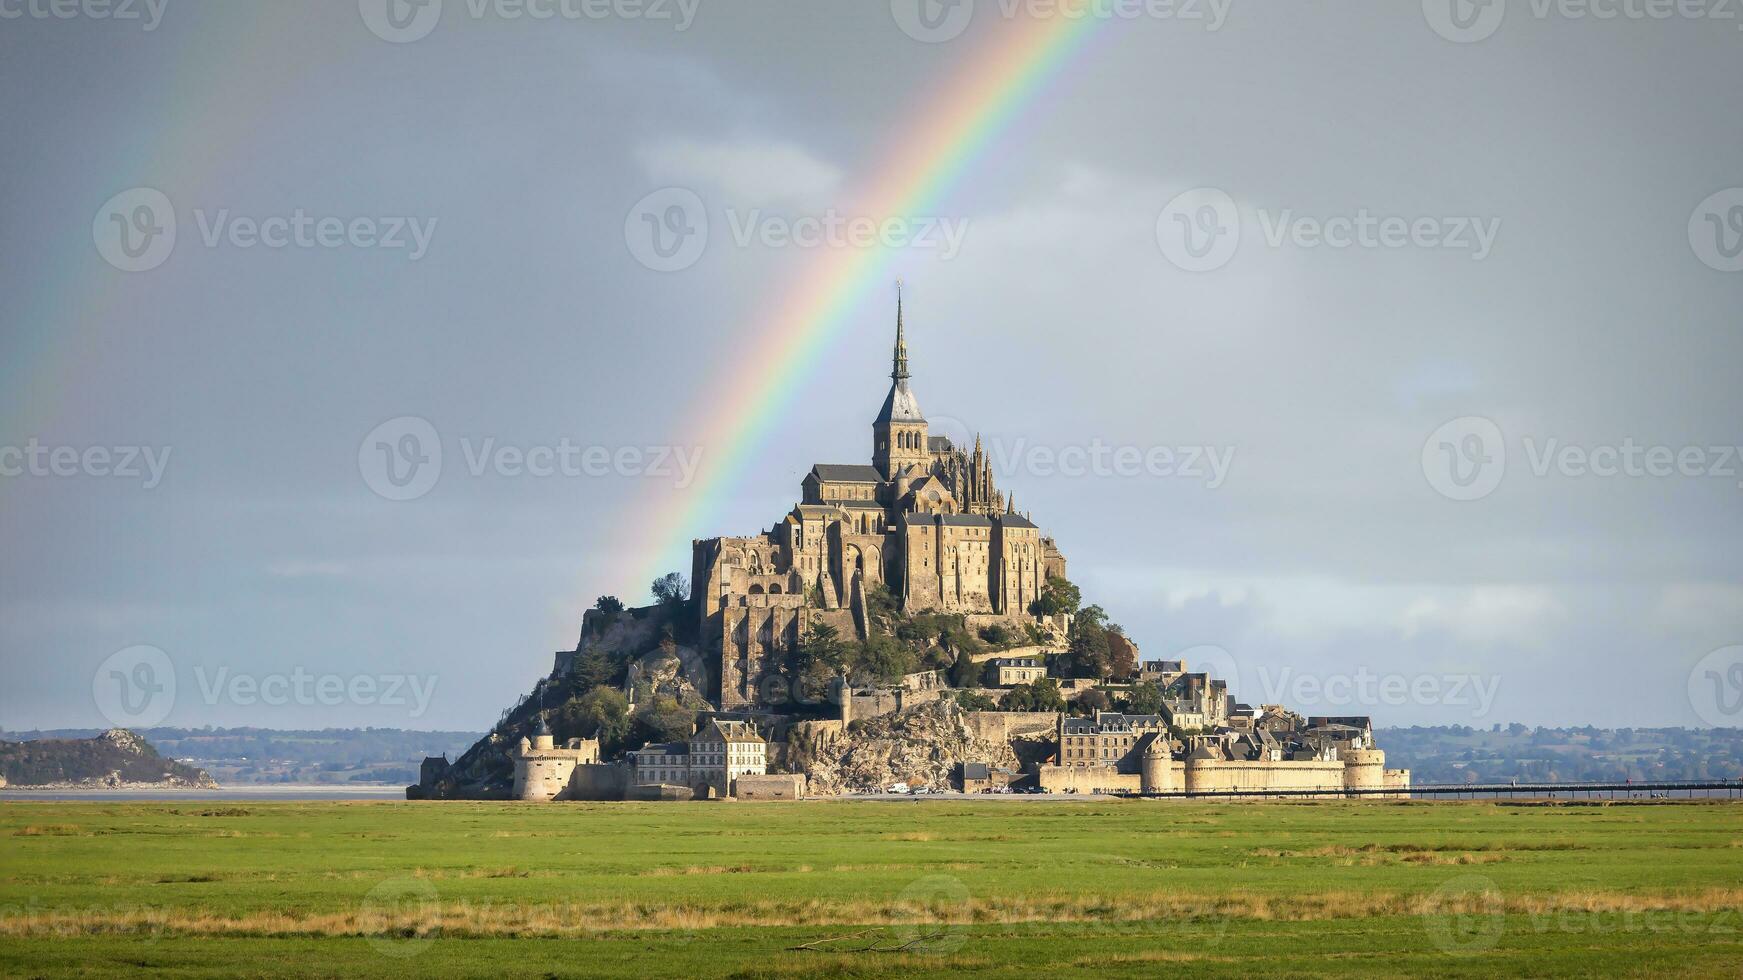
<point x="1364" y="769"/>
<point x="1156" y="767"/>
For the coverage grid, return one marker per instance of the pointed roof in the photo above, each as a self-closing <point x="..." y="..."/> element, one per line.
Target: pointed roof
<point x="900" y="405"/>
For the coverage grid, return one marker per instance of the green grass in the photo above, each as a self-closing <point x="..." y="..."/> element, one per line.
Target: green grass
<point x="997" y="888"/>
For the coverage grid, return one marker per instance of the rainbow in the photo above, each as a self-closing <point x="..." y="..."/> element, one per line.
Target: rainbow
<point x="978" y="105"/>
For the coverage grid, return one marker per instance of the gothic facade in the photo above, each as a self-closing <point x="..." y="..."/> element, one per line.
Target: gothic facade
<point x="924" y="518"/>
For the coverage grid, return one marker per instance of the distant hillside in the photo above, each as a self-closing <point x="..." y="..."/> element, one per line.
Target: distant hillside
<point x="116" y="759"/>
<point x="256" y="756"/>
<point x="1456" y="754"/>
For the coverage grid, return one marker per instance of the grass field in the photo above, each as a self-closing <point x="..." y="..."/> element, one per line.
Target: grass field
<point x="997" y="888"/>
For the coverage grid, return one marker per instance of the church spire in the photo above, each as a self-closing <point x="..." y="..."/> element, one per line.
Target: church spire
<point x="900" y="372"/>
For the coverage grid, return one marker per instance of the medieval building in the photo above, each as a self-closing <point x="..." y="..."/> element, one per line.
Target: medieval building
<point x="923" y="519"/>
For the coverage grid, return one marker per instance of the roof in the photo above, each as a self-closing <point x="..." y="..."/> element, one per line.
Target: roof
<point x="975" y="770"/>
<point x="665" y="748"/>
<point x="1016" y="662"/>
<point x="939" y="444"/>
<point x="965" y="520"/>
<point x="847" y="473"/>
<point x="1016" y="520"/>
<point x="726" y="731"/>
<point x="1079" y="726"/>
<point x="900" y="405"/>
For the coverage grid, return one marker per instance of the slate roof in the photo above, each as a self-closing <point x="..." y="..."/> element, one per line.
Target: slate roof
<point x="1016" y="520"/>
<point x="965" y="520"/>
<point x="847" y="473"/>
<point x="939" y="444"/>
<point x="900" y="405"/>
<point x="975" y="770"/>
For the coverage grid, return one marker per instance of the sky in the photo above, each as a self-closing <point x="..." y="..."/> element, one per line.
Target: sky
<point x="1451" y="300"/>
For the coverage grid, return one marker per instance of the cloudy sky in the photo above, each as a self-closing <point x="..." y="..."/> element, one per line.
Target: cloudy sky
<point x="1452" y="299"/>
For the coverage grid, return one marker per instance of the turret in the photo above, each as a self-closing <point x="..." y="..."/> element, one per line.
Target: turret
<point x="899" y="438"/>
<point x="1156" y="766"/>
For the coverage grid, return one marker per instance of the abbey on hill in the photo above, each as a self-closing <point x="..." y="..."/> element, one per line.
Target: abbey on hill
<point x="923" y="518"/>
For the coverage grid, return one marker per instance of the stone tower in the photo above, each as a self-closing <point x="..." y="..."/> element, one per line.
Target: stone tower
<point x="899" y="432"/>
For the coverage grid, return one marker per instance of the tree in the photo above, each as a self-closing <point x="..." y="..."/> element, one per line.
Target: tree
<point x="671" y="589"/>
<point x="975" y="701"/>
<point x="601" y="713"/>
<point x="819" y="656"/>
<point x="1090" y="653"/>
<point x="965" y="672"/>
<point x="885" y="660"/>
<point x="1057" y="596"/>
<point x="610" y="605"/>
<point x="662" y="719"/>
<point x="593" y="669"/>
<point x="1122" y="654"/>
<point x="1144" y="699"/>
<point x="1042" y="694"/>
<point x="1090" y="702"/>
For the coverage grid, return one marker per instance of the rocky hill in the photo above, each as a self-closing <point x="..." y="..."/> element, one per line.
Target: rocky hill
<point x="920" y="746"/>
<point x="116" y="759"/>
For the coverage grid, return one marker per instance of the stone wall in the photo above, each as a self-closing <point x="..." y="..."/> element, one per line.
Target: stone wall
<point x="774" y="786"/>
<point x="1216" y="776"/>
<point x="1002" y="726"/>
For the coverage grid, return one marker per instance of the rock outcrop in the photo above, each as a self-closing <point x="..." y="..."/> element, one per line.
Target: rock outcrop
<point x="920" y="746"/>
<point x="116" y="759"/>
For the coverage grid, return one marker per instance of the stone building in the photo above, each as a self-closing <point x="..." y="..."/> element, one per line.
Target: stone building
<point x="924" y="518"/>
<point x="709" y="763"/>
<point x="1011" y="671"/>
<point x="543" y="771"/>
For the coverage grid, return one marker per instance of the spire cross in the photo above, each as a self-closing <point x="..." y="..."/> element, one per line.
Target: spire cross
<point x="900" y="369"/>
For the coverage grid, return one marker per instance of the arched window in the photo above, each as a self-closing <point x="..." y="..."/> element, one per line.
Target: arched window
<point x="774" y="590"/>
<point x="756" y="590"/>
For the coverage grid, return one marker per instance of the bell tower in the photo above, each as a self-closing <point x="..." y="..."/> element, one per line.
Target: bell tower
<point x="899" y="432"/>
